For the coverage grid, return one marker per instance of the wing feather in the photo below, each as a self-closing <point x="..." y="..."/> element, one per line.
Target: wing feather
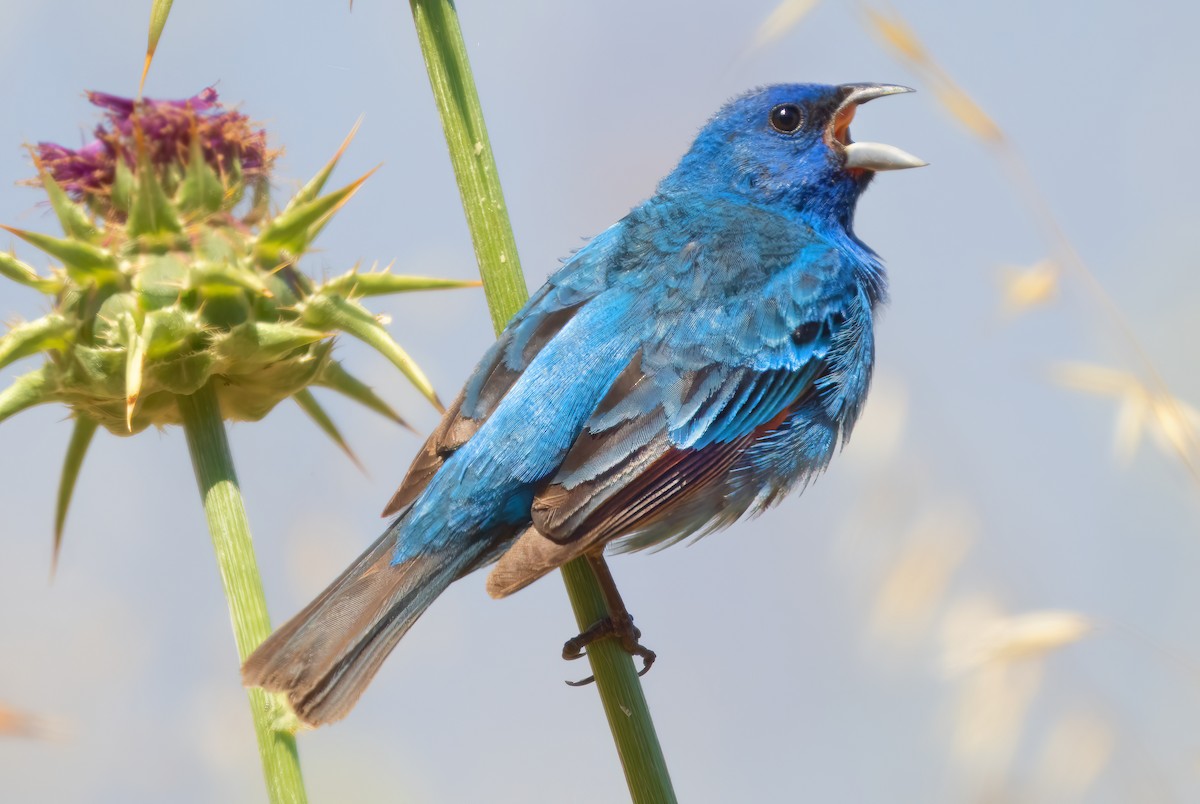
<point x="530" y="330"/>
<point x="636" y="471"/>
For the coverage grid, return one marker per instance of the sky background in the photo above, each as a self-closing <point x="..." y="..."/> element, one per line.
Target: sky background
<point x="802" y="656"/>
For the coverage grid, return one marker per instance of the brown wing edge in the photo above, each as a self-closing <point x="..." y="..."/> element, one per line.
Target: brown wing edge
<point x="451" y="433"/>
<point x="669" y="482"/>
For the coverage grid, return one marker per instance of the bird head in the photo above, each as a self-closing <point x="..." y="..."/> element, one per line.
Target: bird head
<point x="790" y="144"/>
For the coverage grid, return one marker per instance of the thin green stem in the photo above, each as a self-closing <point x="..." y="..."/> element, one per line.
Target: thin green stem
<point x="621" y="694"/>
<point x="230" y="530"/>
<point x="471" y="155"/>
<point x="495" y="248"/>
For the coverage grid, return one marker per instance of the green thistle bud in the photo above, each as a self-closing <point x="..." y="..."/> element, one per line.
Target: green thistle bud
<point x="172" y="271"/>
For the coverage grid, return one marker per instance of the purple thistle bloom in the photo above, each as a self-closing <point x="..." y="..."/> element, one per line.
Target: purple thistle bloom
<point x="79" y="172"/>
<point x="166" y="128"/>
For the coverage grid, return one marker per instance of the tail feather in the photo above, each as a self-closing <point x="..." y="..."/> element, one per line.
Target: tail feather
<point x="530" y="557"/>
<point x="324" y="657"/>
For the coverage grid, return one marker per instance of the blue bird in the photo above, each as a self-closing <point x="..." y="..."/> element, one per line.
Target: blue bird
<point x="693" y="363"/>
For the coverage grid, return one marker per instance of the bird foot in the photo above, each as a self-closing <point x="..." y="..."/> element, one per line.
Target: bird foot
<point x="621" y="628"/>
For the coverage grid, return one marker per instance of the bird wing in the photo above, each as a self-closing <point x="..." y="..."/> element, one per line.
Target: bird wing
<point x="645" y="463"/>
<point x="652" y="445"/>
<point x="535" y="325"/>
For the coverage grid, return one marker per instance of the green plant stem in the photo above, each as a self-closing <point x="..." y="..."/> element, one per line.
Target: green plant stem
<point x="230" y="530"/>
<point x="471" y="155"/>
<point x="495" y="248"/>
<point x="621" y="694"/>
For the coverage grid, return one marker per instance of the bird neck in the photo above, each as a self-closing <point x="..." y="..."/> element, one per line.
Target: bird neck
<point x="828" y="206"/>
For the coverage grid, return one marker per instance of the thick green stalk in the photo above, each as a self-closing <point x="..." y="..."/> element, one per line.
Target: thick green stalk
<point x="230" y="532"/>
<point x="495" y="248"/>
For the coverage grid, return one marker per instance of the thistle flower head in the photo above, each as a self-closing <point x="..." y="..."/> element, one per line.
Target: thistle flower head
<point x="165" y="281"/>
<point x="159" y="135"/>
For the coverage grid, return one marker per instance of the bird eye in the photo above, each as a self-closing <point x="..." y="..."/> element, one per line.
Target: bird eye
<point x="786" y="118"/>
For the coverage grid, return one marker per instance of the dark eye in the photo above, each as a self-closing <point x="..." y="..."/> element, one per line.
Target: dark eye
<point x="786" y="118"/>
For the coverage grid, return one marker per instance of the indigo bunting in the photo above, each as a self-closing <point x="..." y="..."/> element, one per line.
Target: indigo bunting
<point x="691" y="364"/>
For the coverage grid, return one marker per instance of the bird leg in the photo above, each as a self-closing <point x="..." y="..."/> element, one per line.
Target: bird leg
<point x="618" y="623"/>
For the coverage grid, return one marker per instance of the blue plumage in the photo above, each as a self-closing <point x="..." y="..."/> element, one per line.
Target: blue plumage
<point x="691" y="364"/>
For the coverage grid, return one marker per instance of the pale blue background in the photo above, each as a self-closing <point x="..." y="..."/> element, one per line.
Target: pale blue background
<point x="769" y="687"/>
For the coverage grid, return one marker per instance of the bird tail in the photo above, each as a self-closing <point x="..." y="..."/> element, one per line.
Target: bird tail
<point x="324" y="657"/>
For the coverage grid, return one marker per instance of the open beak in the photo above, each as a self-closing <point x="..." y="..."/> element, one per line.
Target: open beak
<point x="867" y="155"/>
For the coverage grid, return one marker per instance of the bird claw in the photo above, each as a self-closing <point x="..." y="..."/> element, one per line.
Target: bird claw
<point x="620" y="627"/>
